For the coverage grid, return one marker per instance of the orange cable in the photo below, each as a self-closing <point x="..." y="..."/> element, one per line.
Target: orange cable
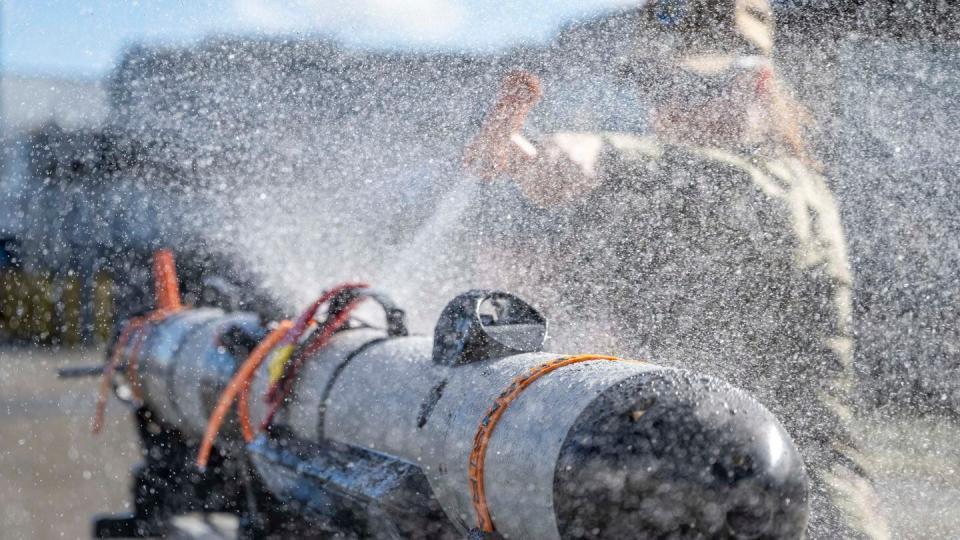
<point x="485" y="430"/>
<point x="165" y="287"/>
<point x="132" y="361"/>
<point x="241" y="380"/>
<point x="243" y="411"/>
<point x="102" y="396"/>
<point x="166" y="292"/>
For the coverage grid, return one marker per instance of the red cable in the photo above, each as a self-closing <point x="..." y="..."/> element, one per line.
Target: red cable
<point x="279" y="390"/>
<point x="283" y="387"/>
<point x="303" y="322"/>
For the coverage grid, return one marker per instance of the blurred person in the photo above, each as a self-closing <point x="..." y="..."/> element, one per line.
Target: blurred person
<point x="716" y="245"/>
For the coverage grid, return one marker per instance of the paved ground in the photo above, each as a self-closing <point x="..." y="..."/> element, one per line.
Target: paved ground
<point x="54" y="474"/>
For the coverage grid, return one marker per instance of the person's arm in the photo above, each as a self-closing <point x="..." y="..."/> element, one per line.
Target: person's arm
<point x="553" y="172"/>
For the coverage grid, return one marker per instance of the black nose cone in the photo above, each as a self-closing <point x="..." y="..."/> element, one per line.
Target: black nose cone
<point x="668" y="454"/>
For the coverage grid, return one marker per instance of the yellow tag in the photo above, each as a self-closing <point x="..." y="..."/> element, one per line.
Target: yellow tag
<point x="278" y="363"/>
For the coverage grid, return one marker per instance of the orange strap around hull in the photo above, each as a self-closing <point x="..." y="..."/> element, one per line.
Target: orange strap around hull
<point x="489" y="422"/>
<point x="103" y="394"/>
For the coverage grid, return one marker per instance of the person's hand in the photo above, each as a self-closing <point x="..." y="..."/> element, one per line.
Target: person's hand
<point x="499" y="145"/>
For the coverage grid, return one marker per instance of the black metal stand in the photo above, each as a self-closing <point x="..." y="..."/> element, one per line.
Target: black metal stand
<point x="167" y="483"/>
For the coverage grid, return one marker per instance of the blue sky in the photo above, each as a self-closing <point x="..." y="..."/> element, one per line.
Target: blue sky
<point x="83" y="38"/>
